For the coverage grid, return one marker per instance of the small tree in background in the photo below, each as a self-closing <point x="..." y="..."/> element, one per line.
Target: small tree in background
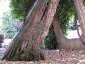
<point x="8" y="27"/>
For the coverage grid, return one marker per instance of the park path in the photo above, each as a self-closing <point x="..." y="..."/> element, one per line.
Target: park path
<point x="5" y="45"/>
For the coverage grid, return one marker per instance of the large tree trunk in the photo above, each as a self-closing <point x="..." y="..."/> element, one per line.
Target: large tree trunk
<point x="62" y="41"/>
<point x="28" y="43"/>
<point x="81" y="16"/>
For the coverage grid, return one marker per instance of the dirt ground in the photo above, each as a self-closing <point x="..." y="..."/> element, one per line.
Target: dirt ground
<point x="67" y="55"/>
<point x="51" y="56"/>
<point x="56" y="57"/>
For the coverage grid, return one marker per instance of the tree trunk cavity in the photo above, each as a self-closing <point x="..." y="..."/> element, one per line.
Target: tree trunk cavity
<point x="62" y="41"/>
<point x="28" y="43"/>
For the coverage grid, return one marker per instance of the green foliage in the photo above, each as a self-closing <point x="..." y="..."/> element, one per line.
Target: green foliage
<point x="7" y="27"/>
<point x="65" y="11"/>
<point x="20" y="8"/>
<point x="50" y="41"/>
<point x="2" y="0"/>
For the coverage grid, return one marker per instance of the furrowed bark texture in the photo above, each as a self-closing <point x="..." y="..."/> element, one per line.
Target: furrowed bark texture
<point x="28" y="43"/>
<point x="63" y="42"/>
<point x="81" y="16"/>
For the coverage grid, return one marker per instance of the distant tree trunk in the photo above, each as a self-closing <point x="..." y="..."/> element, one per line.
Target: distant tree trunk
<point x="28" y="43"/>
<point x="62" y="41"/>
<point x="76" y="43"/>
<point x="81" y="16"/>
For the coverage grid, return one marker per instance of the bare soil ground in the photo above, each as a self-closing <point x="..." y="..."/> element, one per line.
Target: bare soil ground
<point x="67" y="55"/>
<point x="51" y="57"/>
<point x="56" y="57"/>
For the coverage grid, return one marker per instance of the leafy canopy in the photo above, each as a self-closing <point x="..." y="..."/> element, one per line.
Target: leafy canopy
<point x="20" y="8"/>
<point x="65" y="11"/>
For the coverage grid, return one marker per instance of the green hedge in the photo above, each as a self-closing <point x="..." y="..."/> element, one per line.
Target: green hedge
<point x="50" y="41"/>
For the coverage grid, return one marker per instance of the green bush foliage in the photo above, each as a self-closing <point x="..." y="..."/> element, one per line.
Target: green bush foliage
<point x="8" y="29"/>
<point x="50" y="41"/>
<point x="20" y="8"/>
<point x="65" y="11"/>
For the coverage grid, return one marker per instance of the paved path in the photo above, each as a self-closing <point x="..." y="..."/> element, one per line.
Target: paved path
<point x="4" y="46"/>
<point x="73" y="34"/>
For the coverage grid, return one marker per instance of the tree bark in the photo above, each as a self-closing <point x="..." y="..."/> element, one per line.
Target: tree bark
<point x="81" y="16"/>
<point x="62" y="41"/>
<point x="28" y="43"/>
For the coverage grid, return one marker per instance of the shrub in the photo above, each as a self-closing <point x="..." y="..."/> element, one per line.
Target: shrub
<point x="8" y="28"/>
<point x="50" y="41"/>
